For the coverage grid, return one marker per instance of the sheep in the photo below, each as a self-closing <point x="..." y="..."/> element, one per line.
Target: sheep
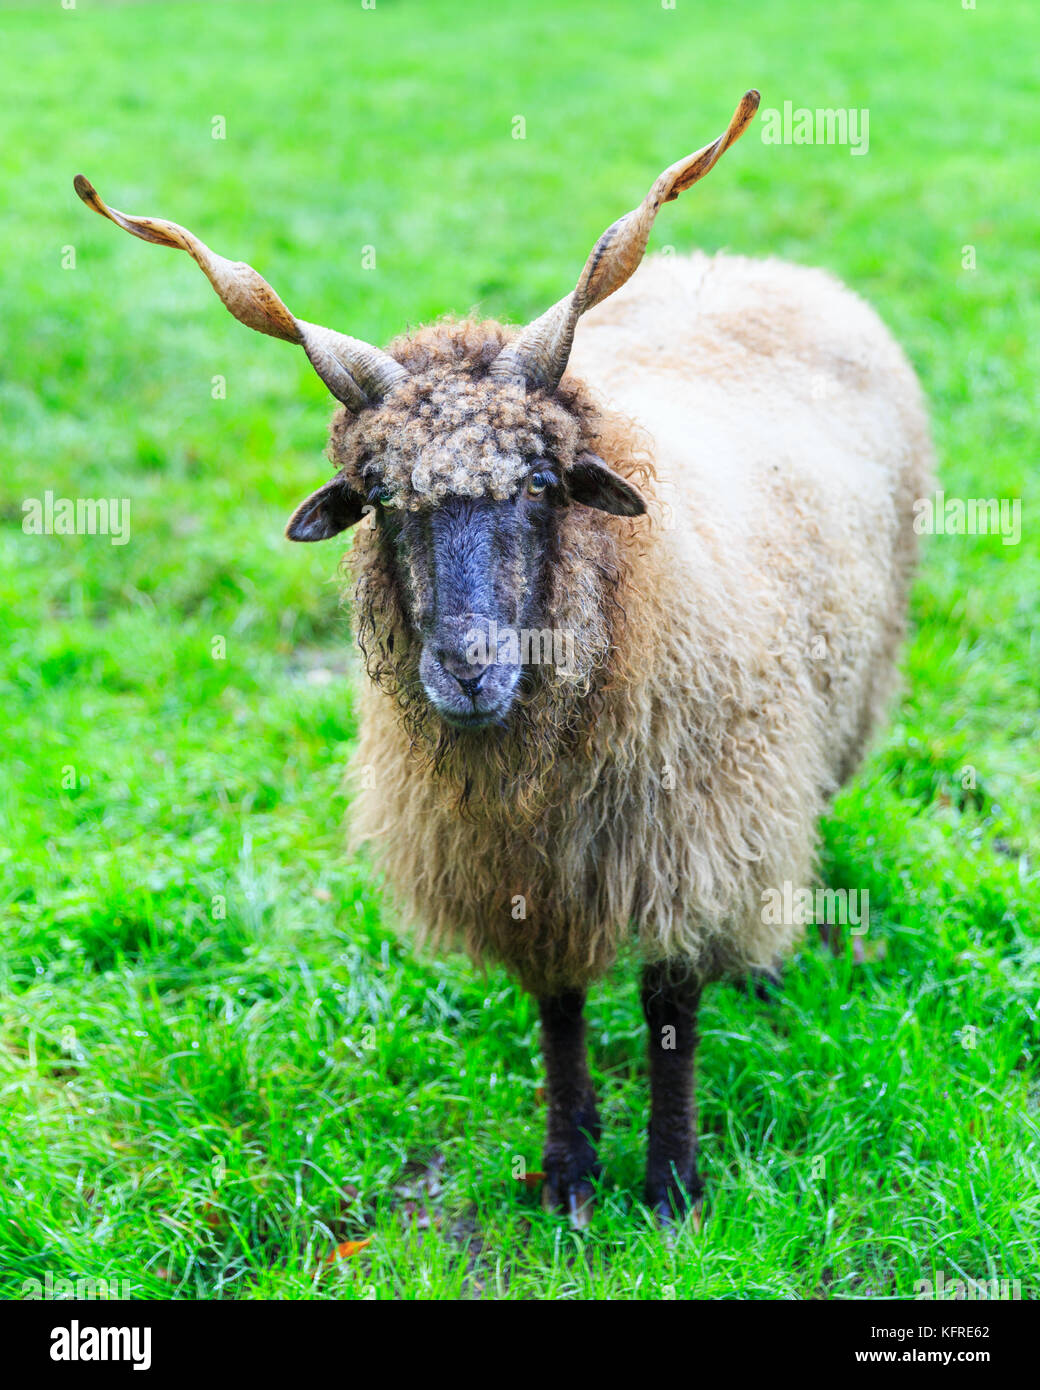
<point x="708" y="492"/>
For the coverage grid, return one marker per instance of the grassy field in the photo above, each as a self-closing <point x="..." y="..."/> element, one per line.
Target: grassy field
<point x="218" y="1057"/>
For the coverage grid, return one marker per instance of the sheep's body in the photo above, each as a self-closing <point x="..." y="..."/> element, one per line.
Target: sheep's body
<point x="789" y="430"/>
<point x="723" y="661"/>
<point x="764" y="606"/>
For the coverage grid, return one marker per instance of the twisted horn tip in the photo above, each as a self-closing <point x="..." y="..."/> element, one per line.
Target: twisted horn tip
<point x="86" y="191"/>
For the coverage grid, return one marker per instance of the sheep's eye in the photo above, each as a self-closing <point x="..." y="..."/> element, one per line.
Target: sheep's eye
<point x="380" y="494"/>
<point x="538" y="482"/>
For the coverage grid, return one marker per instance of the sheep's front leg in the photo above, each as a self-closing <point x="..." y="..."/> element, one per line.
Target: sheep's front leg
<point x="670" y="999"/>
<point x="569" y="1158"/>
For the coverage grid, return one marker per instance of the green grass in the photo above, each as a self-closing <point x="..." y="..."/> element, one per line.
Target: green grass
<point x="218" y="1057"/>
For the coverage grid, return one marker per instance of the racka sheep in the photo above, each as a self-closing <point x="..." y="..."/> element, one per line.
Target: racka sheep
<point x="710" y="498"/>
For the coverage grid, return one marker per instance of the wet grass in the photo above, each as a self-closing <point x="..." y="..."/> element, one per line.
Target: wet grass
<point x="218" y="1057"/>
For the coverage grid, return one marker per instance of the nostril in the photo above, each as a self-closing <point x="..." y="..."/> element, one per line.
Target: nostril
<point x="469" y="674"/>
<point x="471" y="684"/>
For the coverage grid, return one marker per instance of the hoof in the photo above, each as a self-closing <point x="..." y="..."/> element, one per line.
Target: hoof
<point x="575" y="1198"/>
<point x="675" y="1201"/>
<point x="669" y="1221"/>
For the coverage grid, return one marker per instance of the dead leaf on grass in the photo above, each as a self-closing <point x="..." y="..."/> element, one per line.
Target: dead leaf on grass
<point x="346" y="1250"/>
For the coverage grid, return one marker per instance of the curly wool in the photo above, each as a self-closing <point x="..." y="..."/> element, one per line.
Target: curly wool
<point x="658" y="797"/>
<point x="451" y="430"/>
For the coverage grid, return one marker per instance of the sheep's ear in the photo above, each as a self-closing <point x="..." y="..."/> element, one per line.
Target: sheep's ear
<point x="326" y="513"/>
<point x="593" y="484"/>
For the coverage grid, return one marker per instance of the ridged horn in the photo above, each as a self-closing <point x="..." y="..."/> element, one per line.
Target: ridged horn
<point x="355" y="372"/>
<point x="538" y="355"/>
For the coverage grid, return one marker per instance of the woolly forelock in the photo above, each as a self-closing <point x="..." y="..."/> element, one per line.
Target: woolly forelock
<point x="451" y="430"/>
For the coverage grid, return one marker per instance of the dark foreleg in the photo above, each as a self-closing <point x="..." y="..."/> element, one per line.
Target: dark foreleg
<point x="573" y="1127"/>
<point x="670" y="999"/>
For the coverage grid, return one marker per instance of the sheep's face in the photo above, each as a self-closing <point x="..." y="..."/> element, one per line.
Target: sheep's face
<point x="473" y="573"/>
<point x="465" y="481"/>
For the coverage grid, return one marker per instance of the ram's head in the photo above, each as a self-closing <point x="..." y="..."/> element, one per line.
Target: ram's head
<point x="464" y="465"/>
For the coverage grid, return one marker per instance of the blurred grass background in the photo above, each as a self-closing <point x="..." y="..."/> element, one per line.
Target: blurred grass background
<point x="217" y="1057"/>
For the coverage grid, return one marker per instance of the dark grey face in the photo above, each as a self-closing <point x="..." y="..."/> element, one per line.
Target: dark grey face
<point x="475" y="575"/>
<point x="474" y="572"/>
